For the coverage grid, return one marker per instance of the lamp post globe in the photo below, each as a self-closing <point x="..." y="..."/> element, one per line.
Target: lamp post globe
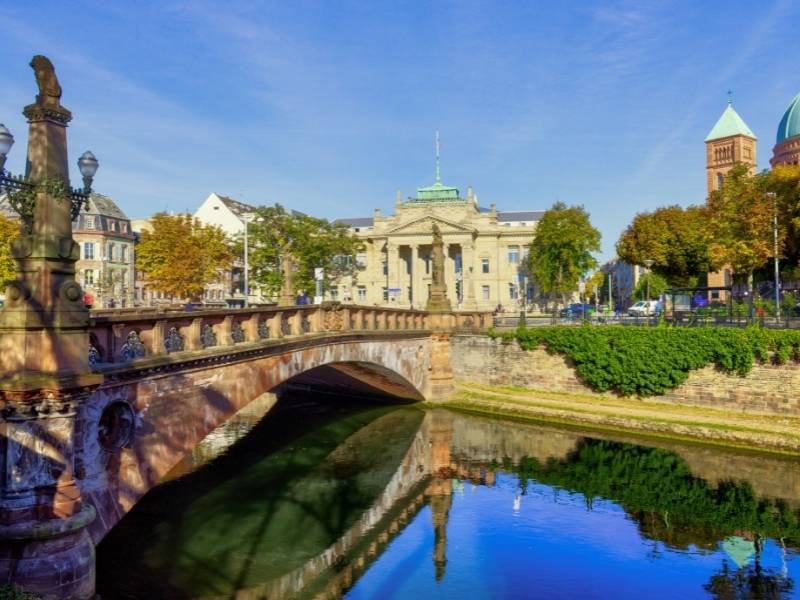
<point x="6" y="141"/>
<point x="88" y="164"/>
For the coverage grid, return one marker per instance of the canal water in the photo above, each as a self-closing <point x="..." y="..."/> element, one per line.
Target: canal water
<point x="327" y="498"/>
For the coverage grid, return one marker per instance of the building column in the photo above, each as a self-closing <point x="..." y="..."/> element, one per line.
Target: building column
<point x="393" y="264"/>
<point x="468" y="275"/>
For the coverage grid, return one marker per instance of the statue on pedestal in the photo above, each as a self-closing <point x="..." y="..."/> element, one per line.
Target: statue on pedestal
<point x="437" y="300"/>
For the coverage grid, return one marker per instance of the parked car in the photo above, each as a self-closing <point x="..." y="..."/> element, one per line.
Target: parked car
<point x="645" y="308"/>
<point x="577" y="311"/>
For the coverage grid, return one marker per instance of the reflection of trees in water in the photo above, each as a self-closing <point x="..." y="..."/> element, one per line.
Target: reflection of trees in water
<point x="657" y="488"/>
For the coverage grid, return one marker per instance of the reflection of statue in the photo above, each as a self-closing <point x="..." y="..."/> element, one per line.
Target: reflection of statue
<point x="49" y="88"/>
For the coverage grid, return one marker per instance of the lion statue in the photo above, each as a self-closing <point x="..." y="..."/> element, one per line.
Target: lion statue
<point x="49" y="88"/>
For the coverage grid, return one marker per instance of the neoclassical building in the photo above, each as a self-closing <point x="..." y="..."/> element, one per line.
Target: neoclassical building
<point x="485" y="251"/>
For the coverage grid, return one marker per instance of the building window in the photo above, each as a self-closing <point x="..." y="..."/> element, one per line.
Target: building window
<point x="88" y="277"/>
<point x="334" y="294"/>
<point x="111" y="253"/>
<point x="485" y="292"/>
<point x="112" y="225"/>
<point x="361" y="293"/>
<point x="124" y="227"/>
<point x="89" y="222"/>
<point x="385" y="294"/>
<point x="720" y="180"/>
<point x="361" y="259"/>
<point x="513" y="291"/>
<point x="123" y="249"/>
<point x="88" y="250"/>
<point x="513" y="254"/>
<point x="385" y="268"/>
<point x="484" y="265"/>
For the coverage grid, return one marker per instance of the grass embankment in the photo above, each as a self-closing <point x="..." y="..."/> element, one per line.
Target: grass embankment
<point x="765" y="433"/>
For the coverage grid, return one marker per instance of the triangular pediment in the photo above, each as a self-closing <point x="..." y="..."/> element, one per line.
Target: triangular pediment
<point x="424" y="225"/>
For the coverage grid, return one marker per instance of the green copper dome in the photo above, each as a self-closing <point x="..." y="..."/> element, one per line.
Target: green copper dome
<point x="729" y="124"/>
<point x="790" y="123"/>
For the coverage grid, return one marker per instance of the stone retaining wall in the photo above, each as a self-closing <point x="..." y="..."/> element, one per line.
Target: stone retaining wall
<point x="766" y="389"/>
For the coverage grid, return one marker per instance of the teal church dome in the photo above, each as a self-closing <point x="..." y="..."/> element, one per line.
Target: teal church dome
<point x="790" y="123"/>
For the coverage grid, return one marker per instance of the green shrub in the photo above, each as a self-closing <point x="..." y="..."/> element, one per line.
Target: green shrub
<point x="651" y="360"/>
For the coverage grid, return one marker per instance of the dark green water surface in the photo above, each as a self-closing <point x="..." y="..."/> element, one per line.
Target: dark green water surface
<point x="330" y="499"/>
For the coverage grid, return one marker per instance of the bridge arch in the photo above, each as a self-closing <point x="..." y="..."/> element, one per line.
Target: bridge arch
<point x="178" y="405"/>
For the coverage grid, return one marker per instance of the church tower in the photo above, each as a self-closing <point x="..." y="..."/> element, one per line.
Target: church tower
<point x="729" y="142"/>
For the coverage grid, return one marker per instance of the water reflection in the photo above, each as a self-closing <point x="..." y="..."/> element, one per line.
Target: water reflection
<point x="395" y="502"/>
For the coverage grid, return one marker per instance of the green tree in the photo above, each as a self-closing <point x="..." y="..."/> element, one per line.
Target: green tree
<point x="741" y="215"/>
<point x="676" y="239"/>
<point x="311" y="243"/>
<point x="657" y="286"/>
<point x="561" y="251"/>
<point x="784" y="182"/>
<point x="180" y="256"/>
<point x="9" y="230"/>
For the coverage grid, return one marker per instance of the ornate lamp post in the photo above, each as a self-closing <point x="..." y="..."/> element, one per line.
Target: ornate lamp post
<point x="6" y="141"/>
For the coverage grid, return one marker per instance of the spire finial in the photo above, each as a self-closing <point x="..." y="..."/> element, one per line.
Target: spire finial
<point x="438" y="171"/>
<point x="730" y="97"/>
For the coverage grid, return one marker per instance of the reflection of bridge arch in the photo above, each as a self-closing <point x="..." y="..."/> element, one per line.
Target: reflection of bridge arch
<point x="178" y="403"/>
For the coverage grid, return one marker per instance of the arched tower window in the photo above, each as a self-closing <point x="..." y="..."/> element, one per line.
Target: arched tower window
<point x="720" y="180"/>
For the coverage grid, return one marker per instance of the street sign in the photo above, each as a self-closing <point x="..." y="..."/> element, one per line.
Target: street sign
<point x="319" y="273"/>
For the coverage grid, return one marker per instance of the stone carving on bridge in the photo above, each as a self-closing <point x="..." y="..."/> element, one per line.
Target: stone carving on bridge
<point x="174" y="341"/>
<point x="305" y="324"/>
<point x="94" y="356"/>
<point x="286" y="328"/>
<point x="133" y="347"/>
<point x="334" y="319"/>
<point x="208" y="338"/>
<point x="263" y="329"/>
<point x="237" y="333"/>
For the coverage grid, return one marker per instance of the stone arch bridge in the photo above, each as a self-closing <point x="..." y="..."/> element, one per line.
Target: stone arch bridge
<point x="76" y="458"/>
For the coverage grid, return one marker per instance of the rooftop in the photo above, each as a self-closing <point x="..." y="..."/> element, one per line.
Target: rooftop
<point x="103" y="205"/>
<point x="236" y="207"/>
<point x="790" y="123"/>
<point x="729" y="124"/>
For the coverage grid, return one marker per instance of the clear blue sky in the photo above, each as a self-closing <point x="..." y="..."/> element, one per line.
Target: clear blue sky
<point x="329" y="107"/>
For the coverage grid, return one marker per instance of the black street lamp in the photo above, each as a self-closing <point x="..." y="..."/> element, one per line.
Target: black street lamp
<point x="9" y="183"/>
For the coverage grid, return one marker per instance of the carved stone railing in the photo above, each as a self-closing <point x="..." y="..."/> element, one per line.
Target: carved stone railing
<point x="125" y="336"/>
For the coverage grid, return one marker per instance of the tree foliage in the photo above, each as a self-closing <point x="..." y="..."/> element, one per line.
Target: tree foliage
<point x="561" y="251"/>
<point x="741" y="218"/>
<point x="311" y="243"/>
<point x="9" y="230"/>
<point x="784" y="181"/>
<point x="649" y="361"/>
<point x="180" y="255"/>
<point x="652" y="282"/>
<point x="676" y="239"/>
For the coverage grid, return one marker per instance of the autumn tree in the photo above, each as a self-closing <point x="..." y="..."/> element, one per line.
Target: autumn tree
<point x="9" y="230"/>
<point x="784" y="182"/>
<point x="676" y="239"/>
<point x="740" y="216"/>
<point x="310" y="242"/>
<point x="180" y="256"/>
<point x="561" y="251"/>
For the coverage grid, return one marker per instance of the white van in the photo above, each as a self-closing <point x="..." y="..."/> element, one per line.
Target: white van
<point x="644" y="308"/>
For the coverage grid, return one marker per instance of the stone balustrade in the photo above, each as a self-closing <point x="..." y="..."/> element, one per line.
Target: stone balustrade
<point x="125" y="335"/>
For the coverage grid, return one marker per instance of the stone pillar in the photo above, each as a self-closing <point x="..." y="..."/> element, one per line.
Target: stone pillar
<point x="44" y="375"/>
<point x="441" y="383"/>
<point x="416" y="282"/>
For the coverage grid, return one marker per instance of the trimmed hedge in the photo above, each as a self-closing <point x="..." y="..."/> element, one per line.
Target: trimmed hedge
<point x="651" y="360"/>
